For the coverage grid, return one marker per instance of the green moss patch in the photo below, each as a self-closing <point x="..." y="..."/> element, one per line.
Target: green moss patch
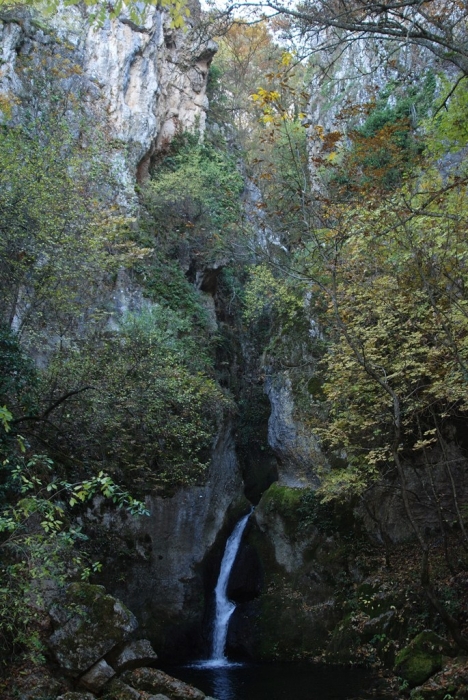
<point x="285" y="502"/>
<point x="421" y="658"/>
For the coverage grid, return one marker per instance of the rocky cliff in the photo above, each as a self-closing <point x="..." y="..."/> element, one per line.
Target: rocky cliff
<point x="145" y="82"/>
<point x="168" y="562"/>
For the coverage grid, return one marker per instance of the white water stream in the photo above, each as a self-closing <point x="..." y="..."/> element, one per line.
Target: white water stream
<point x="223" y="606"/>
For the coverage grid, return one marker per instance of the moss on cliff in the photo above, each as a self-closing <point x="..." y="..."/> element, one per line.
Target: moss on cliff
<point x="283" y="501"/>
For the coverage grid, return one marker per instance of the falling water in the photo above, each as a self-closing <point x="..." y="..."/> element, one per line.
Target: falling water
<point x="224" y="607"/>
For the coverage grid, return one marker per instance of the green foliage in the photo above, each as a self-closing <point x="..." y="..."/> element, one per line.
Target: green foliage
<point x="150" y="411"/>
<point x="448" y="130"/>
<point x="37" y="540"/>
<point x="384" y="273"/>
<point x="398" y="102"/>
<point x="165" y="283"/>
<point x="193" y="200"/>
<point x="60" y="236"/>
<point x="132" y="397"/>
<point x="270" y="295"/>
<point x="399" y="329"/>
<point x="18" y="375"/>
<point x="282" y="172"/>
<point x="247" y="54"/>
<point x="385" y="145"/>
<point x="314" y="513"/>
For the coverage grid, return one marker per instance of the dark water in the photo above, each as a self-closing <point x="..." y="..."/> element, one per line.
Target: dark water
<point x="276" y="681"/>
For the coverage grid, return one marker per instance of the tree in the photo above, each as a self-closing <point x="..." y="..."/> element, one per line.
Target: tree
<point x="193" y="201"/>
<point x="59" y="235"/>
<point x="247" y="54"/>
<point x="381" y="265"/>
<point x="150" y="412"/>
<point x="37" y="541"/>
<point x="436" y="25"/>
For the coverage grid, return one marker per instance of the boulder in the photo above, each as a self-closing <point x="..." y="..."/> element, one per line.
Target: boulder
<point x="72" y="695"/>
<point x="422" y="658"/>
<point x="37" y="684"/>
<point x="154" y="681"/>
<point x="95" y="623"/>
<point x="132" y="655"/>
<point x="118" y="690"/>
<point x="97" y="676"/>
<point x="344" y="641"/>
<point x="451" y="682"/>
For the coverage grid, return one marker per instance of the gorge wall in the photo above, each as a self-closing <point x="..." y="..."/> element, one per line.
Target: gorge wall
<point x="305" y="579"/>
<point x="142" y="84"/>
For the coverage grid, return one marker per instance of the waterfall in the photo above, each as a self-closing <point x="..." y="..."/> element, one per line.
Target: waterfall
<point x="224" y="607"/>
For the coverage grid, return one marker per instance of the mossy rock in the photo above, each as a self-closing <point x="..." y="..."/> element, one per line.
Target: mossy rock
<point x="449" y="683"/>
<point x="91" y="623"/>
<point x="421" y="658"/>
<point x="344" y="640"/>
<point x="282" y="499"/>
<point x="285" y="502"/>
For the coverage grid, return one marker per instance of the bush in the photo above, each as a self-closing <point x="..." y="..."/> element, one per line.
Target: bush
<point x="193" y="200"/>
<point x="150" y="411"/>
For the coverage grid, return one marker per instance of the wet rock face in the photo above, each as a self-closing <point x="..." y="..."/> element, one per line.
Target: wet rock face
<point x="163" y="582"/>
<point x="294" y="611"/>
<point x="246" y="579"/>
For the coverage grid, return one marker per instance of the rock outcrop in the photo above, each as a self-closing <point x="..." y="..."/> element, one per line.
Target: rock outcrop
<point x="143" y="83"/>
<point x="164" y="575"/>
<point x="292" y="611"/>
<point x="89" y="622"/>
<point x="296" y="448"/>
<point x="422" y="658"/>
<point x="154" y="681"/>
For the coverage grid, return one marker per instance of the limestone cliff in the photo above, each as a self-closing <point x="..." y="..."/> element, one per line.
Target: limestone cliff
<point x="145" y="82"/>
